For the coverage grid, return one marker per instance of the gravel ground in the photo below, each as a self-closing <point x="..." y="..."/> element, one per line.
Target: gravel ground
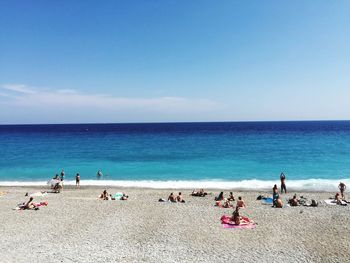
<point x="77" y="227"/>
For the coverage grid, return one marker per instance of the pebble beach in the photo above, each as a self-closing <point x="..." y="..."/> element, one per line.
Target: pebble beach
<point x="78" y="227"/>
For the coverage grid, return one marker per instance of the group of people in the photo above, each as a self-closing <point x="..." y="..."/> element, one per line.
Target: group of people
<point x="223" y="202"/>
<point x="60" y="177"/>
<point x="176" y="199"/>
<point x="118" y="196"/>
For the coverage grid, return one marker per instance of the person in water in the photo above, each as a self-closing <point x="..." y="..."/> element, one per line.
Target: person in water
<point x="99" y="174"/>
<point x="283" y="183"/>
<point x="342" y="188"/>
<point x="77" y="180"/>
<point x="179" y="198"/>
<point x="240" y="202"/>
<point x="172" y="198"/>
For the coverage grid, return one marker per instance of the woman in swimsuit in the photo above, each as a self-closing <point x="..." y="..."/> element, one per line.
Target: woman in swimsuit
<point x="240" y="202"/>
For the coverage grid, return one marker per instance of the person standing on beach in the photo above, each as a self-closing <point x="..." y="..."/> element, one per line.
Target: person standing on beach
<point x="62" y="177"/>
<point x="77" y="180"/>
<point x="342" y="188"/>
<point x="283" y="183"/>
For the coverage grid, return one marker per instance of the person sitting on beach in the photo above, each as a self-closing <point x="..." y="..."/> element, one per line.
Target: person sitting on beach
<point x="220" y="197"/>
<point x="56" y="177"/>
<point x="279" y="203"/>
<point x="294" y="201"/>
<point x="57" y="188"/>
<point x="104" y="195"/>
<point x="172" y="198"/>
<point x="236" y="218"/>
<point x="77" y="180"/>
<point x="240" y="202"/>
<point x="275" y="195"/>
<point x="231" y="197"/>
<point x="338" y="199"/>
<point x="342" y="188"/>
<point x="179" y="198"/>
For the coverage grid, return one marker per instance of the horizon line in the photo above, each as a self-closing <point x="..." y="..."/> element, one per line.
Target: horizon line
<point x="174" y="122"/>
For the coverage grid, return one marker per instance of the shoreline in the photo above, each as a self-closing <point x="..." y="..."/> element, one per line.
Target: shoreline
<point x="308" y="185"/>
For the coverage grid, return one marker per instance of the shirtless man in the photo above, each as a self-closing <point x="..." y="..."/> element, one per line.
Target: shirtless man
<point x="172" y="198"/>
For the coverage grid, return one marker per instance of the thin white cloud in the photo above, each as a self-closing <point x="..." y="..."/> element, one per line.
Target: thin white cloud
<point x="21" y="88"/>
<point x="68" y="104"/>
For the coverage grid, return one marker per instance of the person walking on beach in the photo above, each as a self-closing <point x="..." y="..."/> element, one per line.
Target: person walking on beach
<point x="342" y="188"/>
<point x="283" y="183"/>
<point x="77" y="180"/>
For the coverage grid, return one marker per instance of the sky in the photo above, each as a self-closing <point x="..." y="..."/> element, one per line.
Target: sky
<point x="172" y="61"/>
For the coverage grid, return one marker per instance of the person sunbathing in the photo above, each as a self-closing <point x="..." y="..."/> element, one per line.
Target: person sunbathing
<point x="105" y="195"/>
<point x="29" y="205"/>
<point x="172" y="198"/>
<point x="240" y="202"/>
<point x="179" y="198"/>
<point x="220" y="197"/>
<point x="124" y="197"/>
<point x="231" y="197"/>
<point x="294" y="201"/>
<point x="200" y="193"/>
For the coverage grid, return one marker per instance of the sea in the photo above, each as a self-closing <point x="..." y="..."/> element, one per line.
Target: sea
<point x="314" y="155"/>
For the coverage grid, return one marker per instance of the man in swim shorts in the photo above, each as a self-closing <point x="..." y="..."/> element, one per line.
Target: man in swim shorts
<point x="342" y="188"/>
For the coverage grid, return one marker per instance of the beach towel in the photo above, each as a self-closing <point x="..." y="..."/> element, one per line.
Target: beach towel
<point x="267" y="200"/>
<point x="38" y="194"/>
<point x="333" y="202"/>
<point x="227" y="223"/>
<point x="117" y="195"/>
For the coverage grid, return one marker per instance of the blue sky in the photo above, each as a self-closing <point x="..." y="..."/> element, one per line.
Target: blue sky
<point x="154" y="61"/>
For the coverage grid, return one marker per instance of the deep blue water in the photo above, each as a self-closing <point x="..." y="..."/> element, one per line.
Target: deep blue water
<point x="226" y="151"/>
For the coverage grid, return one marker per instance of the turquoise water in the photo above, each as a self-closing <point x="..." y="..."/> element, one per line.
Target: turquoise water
<point x="177" y="151"/>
